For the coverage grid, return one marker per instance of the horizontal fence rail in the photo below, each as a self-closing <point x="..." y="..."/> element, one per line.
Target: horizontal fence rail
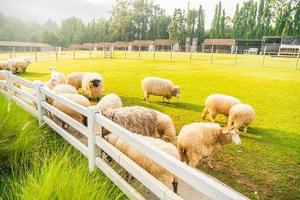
<point x="36" y="103"/>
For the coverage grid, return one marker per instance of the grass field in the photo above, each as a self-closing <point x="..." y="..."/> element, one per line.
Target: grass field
<point x="267" y="164"/>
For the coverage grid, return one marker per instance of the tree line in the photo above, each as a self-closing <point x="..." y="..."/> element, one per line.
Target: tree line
<point x="144" y="20"/>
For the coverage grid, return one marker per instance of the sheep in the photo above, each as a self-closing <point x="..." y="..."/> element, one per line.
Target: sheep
<point x="110" y="101"/>
<point x="198" y="140"/>
<point x="165" y="127"/>
<point x="21" y="64"/>
<point x="92" y="85"/>
<point x="159" y="87"/>
<point x="218" y="103"/>
<point x="241" y="115"/>
<point x="64" y="89"/>
<point x="79" y="99"/>
<point x="11" y="66"/>
<point x="3" y="65"/>
<point x="75" y="79"/>
<point x="56" y="78"/>
<point x="136" y="119"/>
<point x="143" y="161"/>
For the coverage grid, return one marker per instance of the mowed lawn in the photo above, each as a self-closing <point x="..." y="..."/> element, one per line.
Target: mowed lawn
<point x="267" y="163"/>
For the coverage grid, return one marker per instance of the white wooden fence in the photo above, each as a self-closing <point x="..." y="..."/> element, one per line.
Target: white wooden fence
<point x="34" y="101"/>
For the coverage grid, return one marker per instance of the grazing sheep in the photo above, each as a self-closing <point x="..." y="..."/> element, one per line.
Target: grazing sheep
<point x="79" y="99"/>
<point x="159" y="87"/>
<point x="218" y="103"/>
<point x="64" y="89"/>
<point x="56" y="78"/>
<point x="136" y="119"/>
<point x="75" y="79"/>
<point x="11" y="66"/>
<point x="241" y="115"/>
<point x="21" y="64"/>
<point x="3" y="65"/>
<point x="110" y="101"/>
<point x="92" y="85"/>
<point x="143" y="161"/>
<point x="165" y="127"/>
<point x="198" y="140"/>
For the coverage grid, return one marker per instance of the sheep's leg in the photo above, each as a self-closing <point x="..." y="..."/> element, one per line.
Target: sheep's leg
<point x="163" y="99"/>
<point x="212" y="116"/>
<point x="209" y="160"/>
<point x="146" y="96"/>
<point x="175" y="185"/>
<point x="245" y="129"/>
<point x="204" y="113"/>
<point x="193" y="158"/>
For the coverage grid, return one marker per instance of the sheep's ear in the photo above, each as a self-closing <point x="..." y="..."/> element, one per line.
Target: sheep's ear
<point x="224" y="131"/>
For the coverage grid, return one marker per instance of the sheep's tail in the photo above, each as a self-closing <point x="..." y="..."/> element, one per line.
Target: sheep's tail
<point x="204" y="113"/>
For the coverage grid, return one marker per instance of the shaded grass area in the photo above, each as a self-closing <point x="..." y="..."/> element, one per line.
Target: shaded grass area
<point x="267" y="164"/>
<point x="35" y="163"/>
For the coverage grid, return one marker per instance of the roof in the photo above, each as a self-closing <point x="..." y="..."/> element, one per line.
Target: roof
<point x="220" y="42"/>
<point x="163" y="42"/>
<point x="104" y="44"/>
<point x="120" y="44"/>
<point x="141" y="43"/>
<point x="24" y="44"/>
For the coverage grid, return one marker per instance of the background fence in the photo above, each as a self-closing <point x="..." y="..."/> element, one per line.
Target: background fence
<point x="240" y="55"/>
<point x="33" y="99"/>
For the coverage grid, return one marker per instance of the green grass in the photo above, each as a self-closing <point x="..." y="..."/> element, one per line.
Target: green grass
<point x="35" y="163"/>
<point x="267" y="164"/>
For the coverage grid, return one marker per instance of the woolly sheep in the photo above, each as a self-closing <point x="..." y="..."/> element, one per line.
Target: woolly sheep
<point x="218" y="103"/>
<point x="199" y="140"/>
<point x="11" y="66"/>
<point x="159" y="87"/>
<point x="165" y="127"/>
<point x="64" y="89"/>
<point x="75" y="79"/>
<point x="136" y="119"/>
<point x="92" y="85"/>
<point x="21" y="64"/>
<point x="56" y="78"/>
<point x="241" y="115"/>
<point x="3" y="65"/>
<point x="150" y="166"/>
<point x="79" y="99"/>
<point x="110" y="101"/>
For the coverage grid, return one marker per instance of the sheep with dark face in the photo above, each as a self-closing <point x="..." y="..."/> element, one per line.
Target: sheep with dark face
<point x="159" y="87"/>
<point x="92" y="85"/>
<point x="75" y="79"/>
<point x="201" y="140"/>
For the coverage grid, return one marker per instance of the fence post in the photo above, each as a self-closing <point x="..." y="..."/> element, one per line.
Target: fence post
<point x="139" y="52"/>
<point x="236" y="52"/>
<point x="11" y="53"/>
<point x="91" y="136"/>
<point x="90" y="53"/>
<point x="35" y="55"/>
<point x="40" y="97"/>
<point x="154" y="53"/>
<point x="264" y="56"/>
<point x="190" y="56"/>
<point x="171" y="53"/>
<point x="8" y="81"/>
<point x="56" y="56"/>
<point x="212" y="53"/>
<point x="297" y="59"/>
<point x="125" y="52"/>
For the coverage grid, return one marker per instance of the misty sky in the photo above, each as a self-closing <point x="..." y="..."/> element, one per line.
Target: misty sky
<point x="41" y="10"/>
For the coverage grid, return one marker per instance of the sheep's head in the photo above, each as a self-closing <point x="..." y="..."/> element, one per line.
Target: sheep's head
<point x="111" y="138"/>
<point x="52" y="69"/>
<point x="233" y="135"/>
<point x="95" y="83"/>
<point x="176" y="91"/>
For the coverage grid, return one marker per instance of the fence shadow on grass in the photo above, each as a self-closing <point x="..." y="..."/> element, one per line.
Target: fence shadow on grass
<point x="182" y="106"/>
<point x="35" y="74"/>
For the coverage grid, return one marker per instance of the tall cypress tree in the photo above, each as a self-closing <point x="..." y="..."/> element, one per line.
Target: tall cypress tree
<point x="222" y="25"/>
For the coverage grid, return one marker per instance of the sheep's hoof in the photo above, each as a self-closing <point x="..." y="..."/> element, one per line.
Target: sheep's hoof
<point x="175" y="186"/>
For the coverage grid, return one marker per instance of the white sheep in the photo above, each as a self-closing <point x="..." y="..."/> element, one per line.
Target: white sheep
<point x="3" y="65"/>
<point x="21" y="64"/>
<point x="64" y="89"/>
<point x="159" y="87"/>
<point x="110" y="101"/>
<point x="165" y="127"/>
<point x="201" y="140"/>
<point x="75" y="79"/>
<point x="150" y="166"/>
<point x="55" y="79"/>
<point x="11" y="66"/>
<point x="136" y="119"/>
<point x="218" y="103"/>
<point x="241" y="115"/>
<point x="92" y="85"/>
<point x="79" y="99"/>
